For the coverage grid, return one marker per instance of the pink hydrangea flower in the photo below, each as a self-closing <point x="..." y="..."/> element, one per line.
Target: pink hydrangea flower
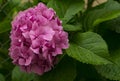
<point x="37" y="38"/>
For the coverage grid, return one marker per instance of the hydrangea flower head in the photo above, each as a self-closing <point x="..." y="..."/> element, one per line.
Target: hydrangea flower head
<point x="37" y="38"/>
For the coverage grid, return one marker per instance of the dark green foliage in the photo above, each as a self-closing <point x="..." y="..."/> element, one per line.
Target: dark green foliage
<point x="101" y="13"/>
<point x="64" y="71"/>
<point x="18" y="75"/>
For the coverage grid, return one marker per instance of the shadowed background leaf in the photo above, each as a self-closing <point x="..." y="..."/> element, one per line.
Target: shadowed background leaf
<point x="64" y="71"/>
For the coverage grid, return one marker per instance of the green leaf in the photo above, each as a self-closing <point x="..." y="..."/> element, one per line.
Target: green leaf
<point x="60" y="6"/>
<point x="111" y="71"/>
<point x="66" y="9"/>
<point x="101" y="13"/>
<point x="93" y="42"/>
<point x="2" y="77"/>
<point x="45" y="1"/>
<point x="89" y="48"/>
<point x="111" y="37"/>
<point x="105" y="17"/>
<point x="68" y="27"/>
<point x="18" y="75"/>
<point x="0" y="2"/>
<point x="72" y="10"/>
<point x="85" y="56"/>
<point x="64" y="71"/>
<point x="113" y="24"/>
<point x="4" y="26"/>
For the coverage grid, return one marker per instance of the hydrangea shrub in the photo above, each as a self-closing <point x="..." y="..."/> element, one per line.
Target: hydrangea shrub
<point x="59" y="40"/>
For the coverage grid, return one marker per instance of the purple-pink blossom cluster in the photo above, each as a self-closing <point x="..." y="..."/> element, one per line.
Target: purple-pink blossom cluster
<point x="37" y="38"/>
